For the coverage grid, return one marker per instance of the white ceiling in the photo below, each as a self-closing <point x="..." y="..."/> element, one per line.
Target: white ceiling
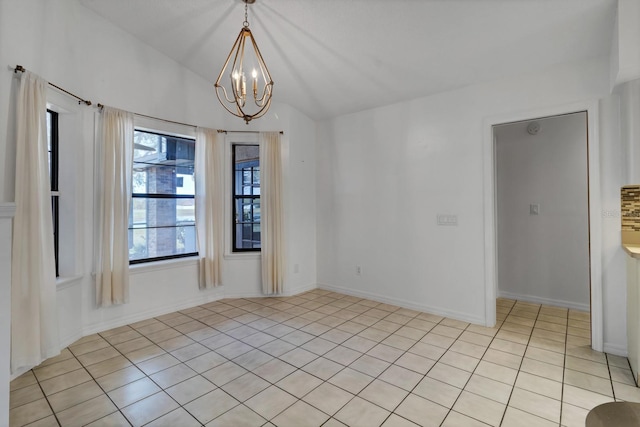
<point x="332" y="57"/>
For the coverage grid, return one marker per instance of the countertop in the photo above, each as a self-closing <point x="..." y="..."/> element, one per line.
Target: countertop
<point x="632" y="249"/>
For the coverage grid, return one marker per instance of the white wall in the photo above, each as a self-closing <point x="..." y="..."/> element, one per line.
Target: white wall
<point x="612" y="168"/>
<point x="384" y="175"/>
<point x="78" y="50"/>
<point x="629" y="95"/>
<point x="6" y="214"/>
<point x="543" y="258"/>
<point x="625" y="55"/>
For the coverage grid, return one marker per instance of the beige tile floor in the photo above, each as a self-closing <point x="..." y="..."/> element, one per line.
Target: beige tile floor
<point x="323" y="358"/>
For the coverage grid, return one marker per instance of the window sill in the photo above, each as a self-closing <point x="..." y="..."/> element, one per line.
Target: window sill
<point x="240" y="256"/>
<point x="67" y="282"/>
<point x="163" y="265"/>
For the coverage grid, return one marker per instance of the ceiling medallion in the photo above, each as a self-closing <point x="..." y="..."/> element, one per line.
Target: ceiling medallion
<point x="246" y="59"/>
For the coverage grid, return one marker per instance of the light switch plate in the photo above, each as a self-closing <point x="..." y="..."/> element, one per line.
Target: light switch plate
<point x="444" y="219"/>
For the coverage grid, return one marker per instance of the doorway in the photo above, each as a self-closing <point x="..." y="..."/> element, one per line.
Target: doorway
<point x="542" y="211"/>
<point x="591" y="109"/>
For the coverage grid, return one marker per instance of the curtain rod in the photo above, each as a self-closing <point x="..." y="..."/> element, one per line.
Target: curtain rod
<point x="188" y="124"/>
<point x="87" y="102"/>
<point x="158" y="118"/>
<point x="80" y="100"/>
<point x="244" y="131"/>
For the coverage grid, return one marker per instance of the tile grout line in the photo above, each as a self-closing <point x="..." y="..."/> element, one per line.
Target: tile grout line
<point x="470" y="376"/>
<point x="101" y="388"/>
<point x="312" y="306"/>
<point x="301" y="347"/>
<point x="423" y="375"/>
<point x="231" y="360"/>
<point x="521" y="361"/>
<point x="345" y="366"/>
<point x="564" y="370"/>
<point x="47" y="399"/>
<point x="362" y="354"/>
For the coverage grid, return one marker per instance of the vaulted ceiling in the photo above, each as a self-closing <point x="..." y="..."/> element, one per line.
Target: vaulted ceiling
<point x="332" y="57"/>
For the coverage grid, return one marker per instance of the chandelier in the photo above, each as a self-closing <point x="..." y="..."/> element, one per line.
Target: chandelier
<point x="246" y="58"/>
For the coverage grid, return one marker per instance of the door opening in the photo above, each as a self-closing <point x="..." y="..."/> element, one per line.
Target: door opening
<point x="542" y="220"/>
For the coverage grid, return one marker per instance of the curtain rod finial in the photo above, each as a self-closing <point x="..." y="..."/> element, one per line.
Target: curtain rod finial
<point x="19" y="68"/>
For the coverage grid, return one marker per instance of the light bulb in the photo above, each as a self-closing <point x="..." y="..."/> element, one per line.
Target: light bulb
<point x="254" y="73"/>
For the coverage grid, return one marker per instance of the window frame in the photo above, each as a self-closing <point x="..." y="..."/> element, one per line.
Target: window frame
<point x="54" y="139"/>
<point x="235" y="197"/>
<point x="162" y="196"/>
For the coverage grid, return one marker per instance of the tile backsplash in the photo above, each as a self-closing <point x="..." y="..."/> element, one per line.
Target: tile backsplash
<point x="630" y="207"/>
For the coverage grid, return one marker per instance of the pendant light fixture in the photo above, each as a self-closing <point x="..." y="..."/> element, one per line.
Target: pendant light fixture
<point x="249" y="85"/>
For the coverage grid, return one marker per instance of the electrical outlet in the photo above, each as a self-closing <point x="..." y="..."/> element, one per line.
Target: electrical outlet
<point x="358" y="270"/>
<point x="444" y="219"/>
<point x="534" y="209"/>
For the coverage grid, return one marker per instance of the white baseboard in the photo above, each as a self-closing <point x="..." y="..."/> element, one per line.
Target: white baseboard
<point x="218" y="294"/>
<point x="159" y="311"/>
<point x="301" y="289"/>
<point x="465" y="317"/>
<point x="70" y="339"/>
<point x="545" y="301"/>
<point x="616" y="349"/>
<point x="287" y="293"/>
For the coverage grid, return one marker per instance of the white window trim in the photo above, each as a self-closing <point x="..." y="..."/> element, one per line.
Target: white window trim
<point x="71" y="194"/>
<point x="231" y="139"/>
<point x="148" y="124"/>
<point x="146" y="267"/>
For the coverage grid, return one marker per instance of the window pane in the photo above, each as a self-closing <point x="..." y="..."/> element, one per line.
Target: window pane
<point x="256" y="235"/>
<point x="139" y="181"/>
<point x="185" y="211"/>
<point x="163" y="179"/>
<point x="247" y="197"/>
<point x="162" y="220"/>
<point x="138" y="244"/>
<point x="138" y="217"/>
<point x="52" y="147"/>
<point x="157" y="212"/>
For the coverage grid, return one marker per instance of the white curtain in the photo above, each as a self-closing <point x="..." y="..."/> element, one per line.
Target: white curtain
<point x="272" y="221"/>
<point x="115" y="139"/>
<point x="209" y="177"/>
<point x="34" y="315"/>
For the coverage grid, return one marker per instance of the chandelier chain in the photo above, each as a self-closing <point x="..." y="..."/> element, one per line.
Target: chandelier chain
<point x="246" y="19"/>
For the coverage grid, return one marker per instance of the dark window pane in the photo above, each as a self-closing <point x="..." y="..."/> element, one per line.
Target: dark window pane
<point x="162" y="220"/>
<point x="246" y="185"/>
<point x="52" y="145"/>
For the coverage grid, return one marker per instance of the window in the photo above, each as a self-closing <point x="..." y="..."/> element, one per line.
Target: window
<point x="52" y="146"/>
<point x="162" y="216"/>
<point x="246" y="198"/>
